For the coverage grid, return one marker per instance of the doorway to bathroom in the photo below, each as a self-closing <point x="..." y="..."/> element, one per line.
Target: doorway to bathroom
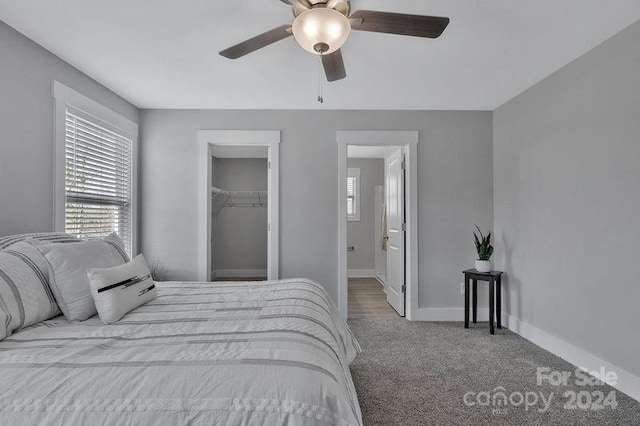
<point x="378" y="223"/>
<point x="367" y="232"/>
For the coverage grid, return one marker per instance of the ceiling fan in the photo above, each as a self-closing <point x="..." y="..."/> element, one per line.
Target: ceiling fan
<point x="321" y="27"/>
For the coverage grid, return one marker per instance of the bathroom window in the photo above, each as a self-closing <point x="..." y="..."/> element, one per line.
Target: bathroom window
<point x="353" y="195"/>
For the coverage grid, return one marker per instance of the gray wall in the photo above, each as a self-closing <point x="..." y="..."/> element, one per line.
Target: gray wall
<point x="361" y="234"/>
<point x="455" y="156"/>
<point x="567" y="201"/>
<point x="26" y="123"/>
<point x="455" y="188"/>
<point x="240" y="233"/>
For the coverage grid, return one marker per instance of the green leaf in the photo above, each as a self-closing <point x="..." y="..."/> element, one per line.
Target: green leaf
<point x="483" y="244"/>
<point x="481" y="236"/>
<point x="489" y="252"/>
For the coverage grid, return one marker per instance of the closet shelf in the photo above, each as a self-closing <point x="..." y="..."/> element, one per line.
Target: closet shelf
<point x="222" y="198"/>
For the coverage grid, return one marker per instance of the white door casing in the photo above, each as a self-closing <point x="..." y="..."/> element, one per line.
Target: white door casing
<point x="394" y="181"/>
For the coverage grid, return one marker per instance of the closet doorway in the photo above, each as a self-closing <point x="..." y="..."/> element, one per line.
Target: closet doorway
<point x="239" y="219"/>
<point x="238" y="212"/>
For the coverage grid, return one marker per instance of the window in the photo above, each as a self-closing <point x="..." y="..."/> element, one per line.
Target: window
<point x="96" y="158"/>
<point x="353" y="195"/>
<point x="97" y="180"/>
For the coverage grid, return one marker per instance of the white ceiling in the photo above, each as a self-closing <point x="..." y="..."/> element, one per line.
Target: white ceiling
<point x="164" y="53"/>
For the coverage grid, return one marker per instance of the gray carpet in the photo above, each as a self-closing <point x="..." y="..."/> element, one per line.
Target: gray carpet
<point x="415" y="373"/>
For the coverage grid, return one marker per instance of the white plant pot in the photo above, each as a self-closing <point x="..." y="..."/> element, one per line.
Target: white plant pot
<point x="483" y="265"/>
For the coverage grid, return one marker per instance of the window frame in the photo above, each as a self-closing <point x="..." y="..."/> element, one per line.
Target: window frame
<point x="354" y="172"/>
<point x="65" y="97"/>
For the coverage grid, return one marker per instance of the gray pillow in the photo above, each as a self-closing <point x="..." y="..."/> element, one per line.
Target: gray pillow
<point x="25" y="296"/>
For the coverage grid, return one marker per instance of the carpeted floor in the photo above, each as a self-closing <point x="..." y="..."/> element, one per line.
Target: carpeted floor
<point x="417" y="373"/>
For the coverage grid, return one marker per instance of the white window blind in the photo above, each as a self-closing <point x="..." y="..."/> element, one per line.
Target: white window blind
<point x="98" y="178"/>
<point x="353" y="194"/>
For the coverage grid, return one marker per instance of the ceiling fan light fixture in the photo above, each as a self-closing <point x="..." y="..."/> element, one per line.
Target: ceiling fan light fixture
<point x="321" y="31"/>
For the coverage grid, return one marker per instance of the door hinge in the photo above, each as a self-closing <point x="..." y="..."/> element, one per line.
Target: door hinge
<point x="403" y="165"/>
<point x="404" y="227"/>
<point x="269" y="165"/>
<point x="404" y="288"/>
<point x="268" y="227"/>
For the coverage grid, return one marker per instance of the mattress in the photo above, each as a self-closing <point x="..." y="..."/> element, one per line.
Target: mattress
<point x="201" y="353"/>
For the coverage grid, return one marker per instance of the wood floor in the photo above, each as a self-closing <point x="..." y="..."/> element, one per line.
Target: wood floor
<point x="368" y="300"/>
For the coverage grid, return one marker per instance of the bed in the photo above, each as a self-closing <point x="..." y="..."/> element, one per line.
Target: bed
<point x="266" y="353"/>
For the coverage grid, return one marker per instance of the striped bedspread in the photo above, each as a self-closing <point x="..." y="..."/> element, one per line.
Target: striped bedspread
<point x="201" y="353"/>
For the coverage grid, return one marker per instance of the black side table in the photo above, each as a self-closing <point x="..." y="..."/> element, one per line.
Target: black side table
<point x="495" y="281"/>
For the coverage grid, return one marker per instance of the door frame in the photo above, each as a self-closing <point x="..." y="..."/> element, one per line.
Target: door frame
<point x="408" y="140"/>
<point x="209" y="138"/>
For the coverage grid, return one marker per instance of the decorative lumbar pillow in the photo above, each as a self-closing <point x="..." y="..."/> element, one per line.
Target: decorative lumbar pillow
<point x="117" y="291"/>
<point x="68" y="265"/>
<point x="25" y="296"/>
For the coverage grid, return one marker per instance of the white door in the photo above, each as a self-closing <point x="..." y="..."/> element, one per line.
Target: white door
<point x="394" y="180"/>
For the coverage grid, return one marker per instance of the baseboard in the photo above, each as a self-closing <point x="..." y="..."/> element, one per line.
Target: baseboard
<point x="627" y="383"/>
<point x="447" y="314"/>
<point x="361" y="273"/>
<point x="239" y="273"/>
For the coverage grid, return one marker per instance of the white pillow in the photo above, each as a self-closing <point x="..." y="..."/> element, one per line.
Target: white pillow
<point x="25" y="296"/>
<point x="68" y="265"/>
<point x="117" y="291"/>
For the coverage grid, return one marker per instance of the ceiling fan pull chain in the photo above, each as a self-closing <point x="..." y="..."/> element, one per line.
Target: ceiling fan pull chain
<point x="320" y="70"/>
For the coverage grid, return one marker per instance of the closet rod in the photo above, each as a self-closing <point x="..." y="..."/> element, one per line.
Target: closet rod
<point x="241" y="198"/>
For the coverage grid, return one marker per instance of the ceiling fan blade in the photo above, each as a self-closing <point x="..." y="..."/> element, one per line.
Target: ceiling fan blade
<point x="334" y="66"/>
<point x="257" y="42"/>
<point x="399" y="23"/>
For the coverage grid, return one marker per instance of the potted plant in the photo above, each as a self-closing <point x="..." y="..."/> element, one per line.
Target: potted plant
<point x="484" y="249"/>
